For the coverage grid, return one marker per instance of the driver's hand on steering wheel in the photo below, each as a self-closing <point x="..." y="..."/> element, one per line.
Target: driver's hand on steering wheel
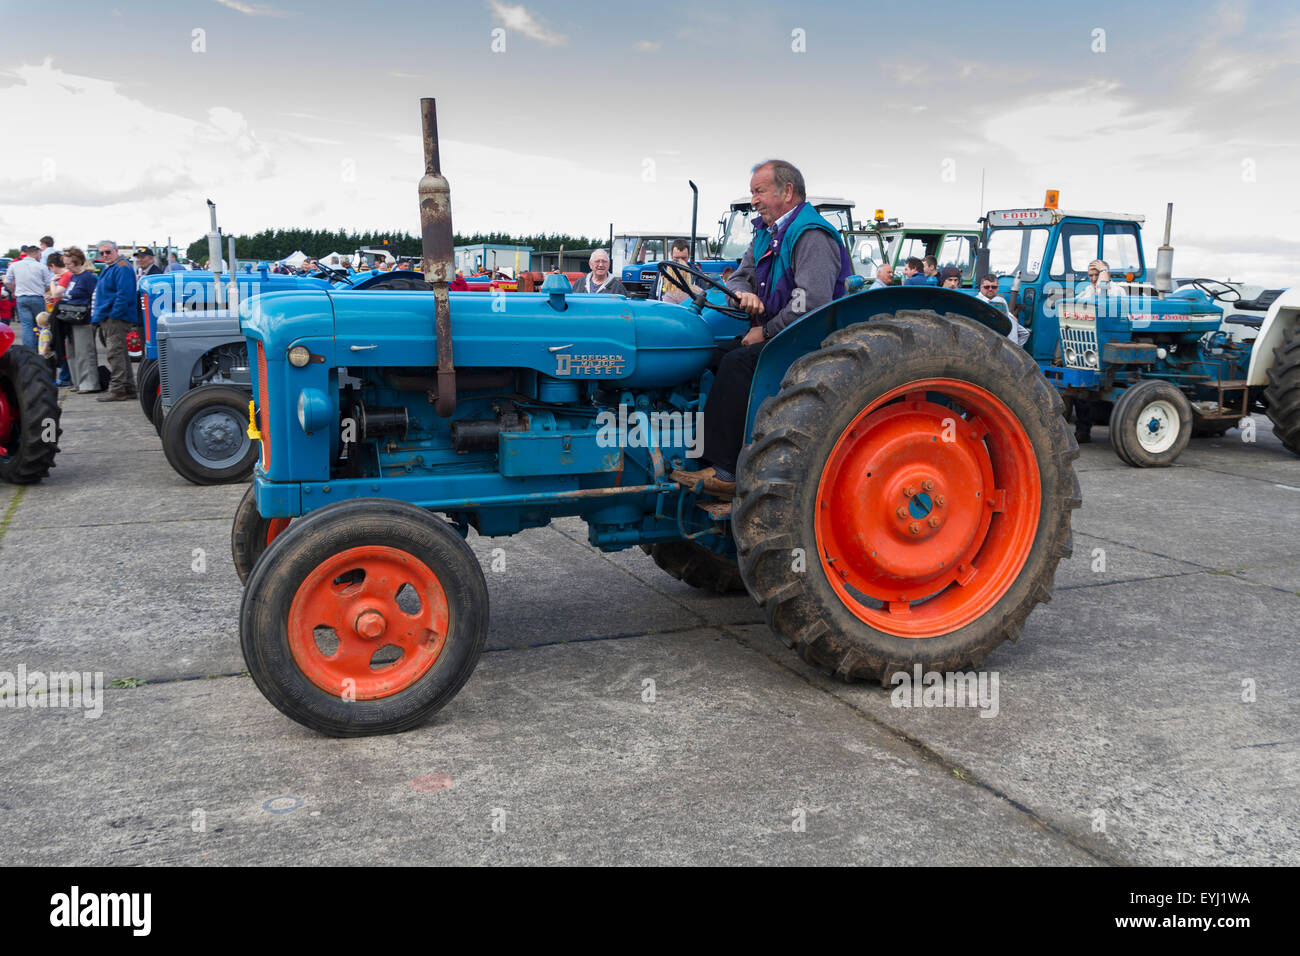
<point x="750" y="303"/>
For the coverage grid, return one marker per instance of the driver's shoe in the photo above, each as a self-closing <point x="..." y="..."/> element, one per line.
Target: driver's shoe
<point x="705" y="481"/>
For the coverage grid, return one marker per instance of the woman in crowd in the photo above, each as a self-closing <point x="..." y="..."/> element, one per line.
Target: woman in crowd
<point x="74" y="313"/>
<point x="62" y="277"/>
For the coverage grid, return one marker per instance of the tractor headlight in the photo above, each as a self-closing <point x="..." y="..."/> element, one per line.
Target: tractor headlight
<point x="1090" y="358"/>
<point x="314" y="410"/>
<point x="1071" y="356"/>
<point x="299" y="356"/>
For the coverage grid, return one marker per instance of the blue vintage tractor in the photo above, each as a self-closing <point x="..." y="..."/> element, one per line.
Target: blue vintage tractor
<point x="903" y="498"/>
<point x="1154" y="359"/>
<point x="194" y="383"/>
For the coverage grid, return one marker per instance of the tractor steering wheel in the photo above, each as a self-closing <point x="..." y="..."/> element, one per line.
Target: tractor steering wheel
<point x="1220" y="296"/>
<point x="671" y="270"/>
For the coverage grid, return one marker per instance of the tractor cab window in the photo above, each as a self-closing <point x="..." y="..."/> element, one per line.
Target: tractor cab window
<point x="957" y="251"/>
<point x="867" y="254"/>
<point x="736" y="235"/>
<point x="621" y="254"/>
<point x="1076" y="246"/>
<point x="652" y="250"/>
<point x="1017" y="250"/>
<point x="910" y="246"/>
<point x="839" y="218"/>
<point x="1121" y="248"/>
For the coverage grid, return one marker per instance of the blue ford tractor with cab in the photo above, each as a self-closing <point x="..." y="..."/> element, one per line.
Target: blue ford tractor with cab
<point x="903" y="497"/>
<point x="1156" y="357"/>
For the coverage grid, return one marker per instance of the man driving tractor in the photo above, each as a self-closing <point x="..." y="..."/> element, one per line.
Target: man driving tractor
<point x="797" y="263"/>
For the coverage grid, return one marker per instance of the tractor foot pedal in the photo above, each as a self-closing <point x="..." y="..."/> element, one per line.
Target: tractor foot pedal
<point x="718" y="510"/>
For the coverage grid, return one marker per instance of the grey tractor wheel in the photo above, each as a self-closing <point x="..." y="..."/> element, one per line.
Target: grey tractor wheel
<point x="29" y="416"/>
<point x="251" y="534"/>
<point x="365" y="617"/>
<point x="696" y="565"/>
<point x="205" y="436"/>
<point x="906" y="497"/>
<point x="1151" y="424"/>
<point x="146" y="385"/>
<point x="1282" y="394"/>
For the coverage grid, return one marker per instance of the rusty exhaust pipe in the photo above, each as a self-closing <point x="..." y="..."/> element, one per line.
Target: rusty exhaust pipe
<point x="436" y="247"/>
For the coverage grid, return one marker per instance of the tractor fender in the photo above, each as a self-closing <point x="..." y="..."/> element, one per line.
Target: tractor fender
<point x="808" y="333"/>
<point x="1283" y="315"/>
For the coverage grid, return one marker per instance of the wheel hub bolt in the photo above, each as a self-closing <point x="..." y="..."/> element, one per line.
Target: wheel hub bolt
<point x="909" y="491"/>
<point x="914" y="528"/>
<point x="938" y="501"/>
<point x="927" y="485"/>
<point x="371" y="624"/>
<point x="901" y="512"/>
<point x="934" y="522"/>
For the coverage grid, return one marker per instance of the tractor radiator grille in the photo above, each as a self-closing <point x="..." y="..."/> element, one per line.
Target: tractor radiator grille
<point x="1079" y="346"/>
<point x="263" y="409"/>
<point x="164" y="382"/>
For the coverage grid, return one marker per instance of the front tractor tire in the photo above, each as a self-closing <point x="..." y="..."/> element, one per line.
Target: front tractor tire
<point x="1151" y="424"/>
<point x="906" y="497"/>
<point x="694" y="564"/>
<point x="365" y="617"/>
<point x="205" y="436"/>
<point x="251" y="534"/>
<point x="1282" y="394"/>
<point x="29" y="416"/>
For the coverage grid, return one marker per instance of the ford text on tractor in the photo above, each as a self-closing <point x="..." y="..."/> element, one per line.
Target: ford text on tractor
<point x="903" y="498"/>
<point x="1158" y="357"/>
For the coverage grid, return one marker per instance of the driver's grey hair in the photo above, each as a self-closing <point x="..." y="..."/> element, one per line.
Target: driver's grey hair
<point x="106" y="242"/>
<point x="782" y="173"/>
<point x="596" y="252"/>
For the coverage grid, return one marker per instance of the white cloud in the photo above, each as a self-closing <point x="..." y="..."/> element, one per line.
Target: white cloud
<point x="516" y="17"/>
<point x="648" y="46"/>
<point x="252" y="9"/>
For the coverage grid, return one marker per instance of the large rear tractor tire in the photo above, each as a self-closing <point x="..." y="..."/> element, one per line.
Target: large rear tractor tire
<point x="251" y="534"/>
<point x="1282" y="393"/>
<point x="696" y="565"/>
<point x="906" y="497"/>
<point x="29" y="416"/>
<point x="1151" y="424"/>
<point x="146" y="385"/>
<point x="205" y="436"/>
<point x="365" y="617"/>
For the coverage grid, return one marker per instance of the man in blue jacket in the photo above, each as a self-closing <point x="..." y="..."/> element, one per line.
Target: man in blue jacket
<point x="796" y="264"/>
<point x="115" y="312"/>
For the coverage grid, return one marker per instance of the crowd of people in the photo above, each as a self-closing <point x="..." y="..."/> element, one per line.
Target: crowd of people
<point x="63" y="304"/>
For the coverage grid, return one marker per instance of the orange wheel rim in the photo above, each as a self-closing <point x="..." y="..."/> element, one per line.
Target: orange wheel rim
<point x="349" y="634"/>
<point x="927" y="508"/>
<point x="274" y="527"/>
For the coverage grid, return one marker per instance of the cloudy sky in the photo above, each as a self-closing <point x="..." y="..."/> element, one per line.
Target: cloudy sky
<point x="119" y="120"/>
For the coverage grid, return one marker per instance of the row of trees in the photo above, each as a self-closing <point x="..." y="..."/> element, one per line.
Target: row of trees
<point x="272" y="244"/>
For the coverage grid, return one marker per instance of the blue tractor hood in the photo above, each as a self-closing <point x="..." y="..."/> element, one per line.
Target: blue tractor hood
<point x="603" y="338"/>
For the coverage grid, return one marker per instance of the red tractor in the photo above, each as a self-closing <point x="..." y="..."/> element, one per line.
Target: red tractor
<point x="29" y="413"/>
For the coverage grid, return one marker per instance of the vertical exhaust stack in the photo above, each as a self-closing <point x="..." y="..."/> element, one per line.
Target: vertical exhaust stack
<point x="436" y="247"/>
<point x="1165" y="258"/>
<point x="214" y="255"/>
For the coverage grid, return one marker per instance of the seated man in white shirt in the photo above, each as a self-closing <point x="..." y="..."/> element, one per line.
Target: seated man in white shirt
<point x="987" y="292"/>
